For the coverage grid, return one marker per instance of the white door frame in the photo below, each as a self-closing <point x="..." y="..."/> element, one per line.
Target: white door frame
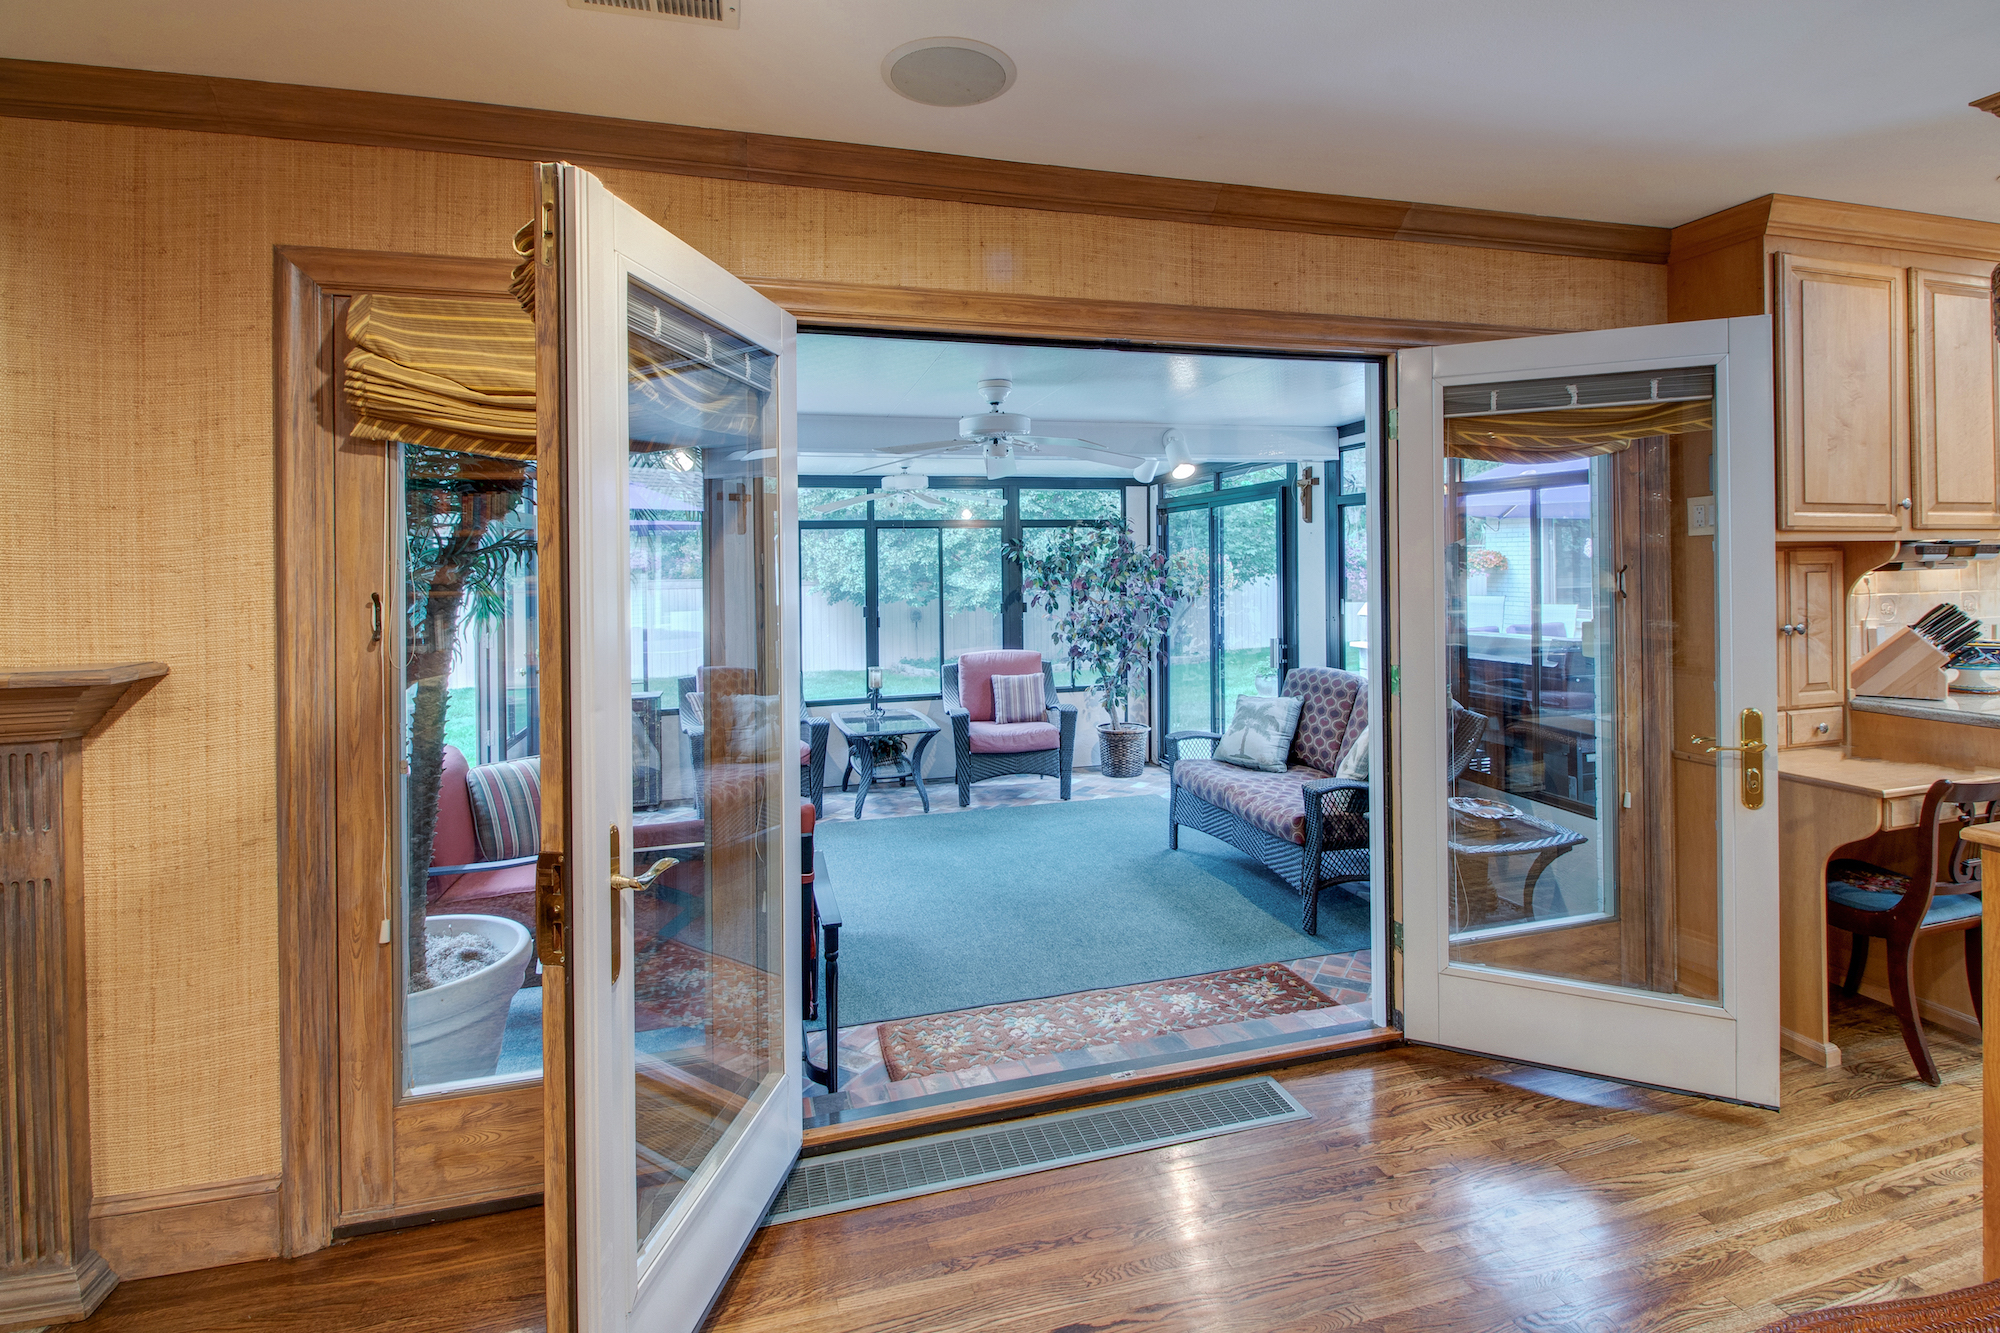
<point x="605" y="242"/>
<point x="1730" y="1050"/>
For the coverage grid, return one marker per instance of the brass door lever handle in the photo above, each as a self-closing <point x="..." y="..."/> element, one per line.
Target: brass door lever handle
<point x="1714" y="745"/>
<point x="645" y="881"/>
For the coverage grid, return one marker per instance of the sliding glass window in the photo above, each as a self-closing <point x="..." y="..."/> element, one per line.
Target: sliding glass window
<point x="907" y="581"/>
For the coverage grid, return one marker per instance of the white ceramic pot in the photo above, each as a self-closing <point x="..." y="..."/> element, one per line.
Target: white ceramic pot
<point x="453" y="1031"/>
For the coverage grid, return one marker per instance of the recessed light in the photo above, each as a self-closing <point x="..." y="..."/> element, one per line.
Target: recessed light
<point x="948" y="71"/>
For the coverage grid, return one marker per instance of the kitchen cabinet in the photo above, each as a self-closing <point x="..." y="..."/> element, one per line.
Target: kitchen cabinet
<point x="1843" y="417"/>
<point x="1812" y="646"/>
<point x="1955" y="394"/>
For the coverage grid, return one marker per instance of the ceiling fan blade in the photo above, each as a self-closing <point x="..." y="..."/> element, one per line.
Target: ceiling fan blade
<point x="1052" y="448"/>
<point x="832" y="505"/>
<point x="929" y="447"/>
<point x="1068" y="440"/>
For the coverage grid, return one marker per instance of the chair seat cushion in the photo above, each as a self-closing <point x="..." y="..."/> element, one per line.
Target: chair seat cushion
<point x="805" y="752"/>
<point x="1865" y="888"/>
<point x="1013" y="737"/>
<point x="1269" y="801"/>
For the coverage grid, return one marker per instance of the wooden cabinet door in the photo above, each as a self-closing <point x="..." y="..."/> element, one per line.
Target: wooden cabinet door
<point x="1812" y="662"/>
<point x="1843" y="431"/>
<point x="1956" y="385"/>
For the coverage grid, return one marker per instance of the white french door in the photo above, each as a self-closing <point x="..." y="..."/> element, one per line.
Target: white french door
<point x="1585" y="591"/>
<point x="678" y="424"/>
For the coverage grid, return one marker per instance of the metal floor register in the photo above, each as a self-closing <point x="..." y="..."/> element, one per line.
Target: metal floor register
<point x="864" y="1176"/>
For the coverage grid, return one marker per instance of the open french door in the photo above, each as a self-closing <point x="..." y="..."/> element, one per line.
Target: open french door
<point x="1587" y="822"/>
<point x="675" y="1117"/>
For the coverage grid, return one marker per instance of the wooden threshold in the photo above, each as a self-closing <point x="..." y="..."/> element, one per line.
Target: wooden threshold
<point x="889" y="1126"/>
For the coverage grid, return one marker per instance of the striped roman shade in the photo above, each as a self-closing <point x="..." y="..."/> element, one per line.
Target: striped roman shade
<point x="1019" y="699"/>
<point x="445" y="374"/>
<point x="506" y="808"/>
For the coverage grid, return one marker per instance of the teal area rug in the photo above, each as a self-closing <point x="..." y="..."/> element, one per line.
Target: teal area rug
<point x="954" y="910"/>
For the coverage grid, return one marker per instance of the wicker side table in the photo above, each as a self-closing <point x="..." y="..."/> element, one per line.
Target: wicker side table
<point x="1476" y="844"/>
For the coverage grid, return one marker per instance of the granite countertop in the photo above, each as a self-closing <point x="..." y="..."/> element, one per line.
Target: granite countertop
<point x="1978" y="710"/>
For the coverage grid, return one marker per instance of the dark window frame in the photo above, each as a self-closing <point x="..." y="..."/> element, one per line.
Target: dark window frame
<point x="1010" y="525"/>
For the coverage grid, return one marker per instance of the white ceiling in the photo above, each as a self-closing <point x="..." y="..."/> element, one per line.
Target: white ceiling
<point x="856" y="394"/>
<point x="1619" y="110"/>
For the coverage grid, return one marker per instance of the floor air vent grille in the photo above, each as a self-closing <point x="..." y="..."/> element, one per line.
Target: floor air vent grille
<point x="840" y="1181"/>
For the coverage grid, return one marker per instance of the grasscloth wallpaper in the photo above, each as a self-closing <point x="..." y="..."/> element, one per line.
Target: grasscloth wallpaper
<point x="136" y="471"/>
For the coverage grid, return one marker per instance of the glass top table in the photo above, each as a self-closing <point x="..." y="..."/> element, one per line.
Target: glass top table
<point x="879" y="747"/>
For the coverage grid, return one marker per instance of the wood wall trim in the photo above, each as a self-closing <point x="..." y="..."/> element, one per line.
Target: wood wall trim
<point x="1990" y="102"/>
<point x="155" y="1232"/>
<point x="856" y="305"/>
<point x="1793" y="217"/>
<point x="42" y="90"/>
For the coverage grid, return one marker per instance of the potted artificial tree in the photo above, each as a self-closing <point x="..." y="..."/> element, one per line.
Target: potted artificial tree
<point x="1111" y="602"/>
<point x="459" y="546"/>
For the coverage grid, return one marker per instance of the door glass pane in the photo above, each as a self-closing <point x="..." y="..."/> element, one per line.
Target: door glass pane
<point x="707" y="1009"/>
<point x="1354" y="588"/>
<point x="1253" y="623"/>
<point x="1582" y="649"/>
<point x="1189" y="680"/>
<point x="907" y="565"/>
<point x="472" y="745"/>
<point x="1353" y="471"/>
<point x="833" y="596"/>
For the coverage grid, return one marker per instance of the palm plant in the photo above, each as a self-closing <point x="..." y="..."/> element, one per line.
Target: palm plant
<point x="1110" y="603"/>
<point x="458" y="550"/>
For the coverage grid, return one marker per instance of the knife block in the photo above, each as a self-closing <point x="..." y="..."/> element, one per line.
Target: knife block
<point x="1903" y="666"/>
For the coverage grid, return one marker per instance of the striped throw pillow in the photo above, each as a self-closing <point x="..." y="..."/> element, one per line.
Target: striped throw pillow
<point x="1019" y="699"/>
<point x="506" y="808"/>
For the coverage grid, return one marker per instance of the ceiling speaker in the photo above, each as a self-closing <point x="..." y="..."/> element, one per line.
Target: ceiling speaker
<point x="948" y="71"/>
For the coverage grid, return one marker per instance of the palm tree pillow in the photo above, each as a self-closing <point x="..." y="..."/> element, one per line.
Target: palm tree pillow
<point x="1260" y="735"/>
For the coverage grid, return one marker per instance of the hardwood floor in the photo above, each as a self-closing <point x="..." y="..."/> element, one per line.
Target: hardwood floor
<point x="1431" y="1191"/>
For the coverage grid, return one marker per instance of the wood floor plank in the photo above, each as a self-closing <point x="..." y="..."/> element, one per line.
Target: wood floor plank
<point x="1431" y="1193"/>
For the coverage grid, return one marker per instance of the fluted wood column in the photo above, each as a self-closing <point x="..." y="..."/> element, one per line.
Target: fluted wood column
<point x="48" y="1272"/>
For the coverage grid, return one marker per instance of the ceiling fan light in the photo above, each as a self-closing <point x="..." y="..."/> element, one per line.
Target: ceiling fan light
<point x="1178" y="458"/>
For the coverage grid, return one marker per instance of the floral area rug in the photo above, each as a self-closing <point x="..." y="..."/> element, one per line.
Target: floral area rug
<point x="939" y="1043"/>
<point x="676" y="985"/>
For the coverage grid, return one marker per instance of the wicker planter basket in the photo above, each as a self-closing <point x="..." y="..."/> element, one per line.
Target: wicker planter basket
<point x="1121" y="749"/>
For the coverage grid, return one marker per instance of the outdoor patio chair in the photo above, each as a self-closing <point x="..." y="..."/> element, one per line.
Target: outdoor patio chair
<point x="986" y="749"/>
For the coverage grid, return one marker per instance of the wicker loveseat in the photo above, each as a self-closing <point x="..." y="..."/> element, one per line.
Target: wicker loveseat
<point x="1305" y="824"/>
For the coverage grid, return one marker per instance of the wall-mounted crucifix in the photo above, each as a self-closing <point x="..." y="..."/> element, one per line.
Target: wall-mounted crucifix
<point x="742" y="495"/>
<point x="1305" y="483"/>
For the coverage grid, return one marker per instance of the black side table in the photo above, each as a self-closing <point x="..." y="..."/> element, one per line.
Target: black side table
<point x="822" y="944"/>
<point x="864" y="733"/>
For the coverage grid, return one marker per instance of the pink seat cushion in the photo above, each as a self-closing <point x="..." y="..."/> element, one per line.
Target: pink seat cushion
<point x="453" y="842"/>
<point x="1013" y="737"/>
<point x="975" y="682"/>
<point x="805" y="752"/>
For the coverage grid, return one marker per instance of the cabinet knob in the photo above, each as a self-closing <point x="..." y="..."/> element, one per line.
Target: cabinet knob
<point x="1821" y="728"/>
<point x="1903" y="503"/>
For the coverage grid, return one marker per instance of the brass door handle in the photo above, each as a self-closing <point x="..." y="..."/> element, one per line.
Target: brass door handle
<point x="1714" y="745"/>
<point x="645" y="881"/>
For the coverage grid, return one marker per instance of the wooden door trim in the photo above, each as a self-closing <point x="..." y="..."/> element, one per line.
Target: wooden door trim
<point x="307" y="282"/>
<point x="43" y="90"/>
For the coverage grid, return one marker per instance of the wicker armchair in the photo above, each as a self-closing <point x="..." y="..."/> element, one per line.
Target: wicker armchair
<point x="985" y="749"/>
<point x="813" y="736"/>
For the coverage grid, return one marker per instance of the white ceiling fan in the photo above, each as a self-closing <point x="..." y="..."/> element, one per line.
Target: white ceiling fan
<point x="900" y="490"/>
<point x="1002" y="439"/>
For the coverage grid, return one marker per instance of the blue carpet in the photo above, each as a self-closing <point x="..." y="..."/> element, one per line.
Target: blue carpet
<point x="975" y="907"/>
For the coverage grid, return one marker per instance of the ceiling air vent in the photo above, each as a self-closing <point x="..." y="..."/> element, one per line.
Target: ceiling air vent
<point x="721" y="13"/>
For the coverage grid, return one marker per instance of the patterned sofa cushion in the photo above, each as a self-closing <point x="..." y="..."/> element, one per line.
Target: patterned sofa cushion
<point x="1333" y="708"/>
<point x="1269" y="801"/>
<point x="506" y="808"/>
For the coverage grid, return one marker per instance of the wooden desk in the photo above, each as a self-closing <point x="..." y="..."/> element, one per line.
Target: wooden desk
<point x="1827" y="799"/>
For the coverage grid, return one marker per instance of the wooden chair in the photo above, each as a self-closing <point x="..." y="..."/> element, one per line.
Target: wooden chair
<point x="1941" y="893"/>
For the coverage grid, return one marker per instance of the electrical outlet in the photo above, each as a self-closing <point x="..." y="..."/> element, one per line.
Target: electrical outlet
<point x="1701" y="516"/>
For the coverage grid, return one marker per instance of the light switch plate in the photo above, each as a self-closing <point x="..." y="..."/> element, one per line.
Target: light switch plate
<point x="1701" y="516"/>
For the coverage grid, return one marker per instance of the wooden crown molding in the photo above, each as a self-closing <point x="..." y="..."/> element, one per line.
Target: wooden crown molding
<point x="1792" y="217"/>
<point x="40" y="90"/>
<point x="1990" y="102"/>
<point x="915" y="310"/>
